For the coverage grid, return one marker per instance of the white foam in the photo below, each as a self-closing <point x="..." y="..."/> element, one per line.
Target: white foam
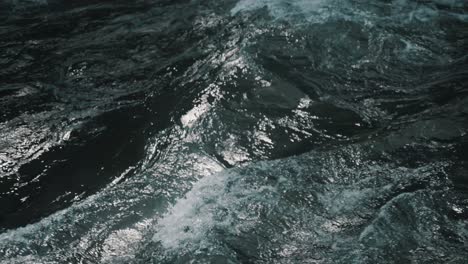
<point x="219" y="201"/>
<point x="123" y="244"/>
<point x="280" y="8"/>
<point x="184" y="223"/>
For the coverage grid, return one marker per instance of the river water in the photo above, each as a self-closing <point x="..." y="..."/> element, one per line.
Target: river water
<point x="234" y="131"/>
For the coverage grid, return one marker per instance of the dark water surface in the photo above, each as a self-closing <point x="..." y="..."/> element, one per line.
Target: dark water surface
<point x="234" y="131"/>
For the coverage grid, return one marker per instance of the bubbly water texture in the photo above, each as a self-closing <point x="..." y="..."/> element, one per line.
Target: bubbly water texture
<point x="234" y="131"/>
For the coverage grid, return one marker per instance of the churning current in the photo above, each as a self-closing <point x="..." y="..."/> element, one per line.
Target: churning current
<point x="234" y="131"/>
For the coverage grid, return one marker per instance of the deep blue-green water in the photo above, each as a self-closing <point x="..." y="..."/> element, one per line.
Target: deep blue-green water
<point x="234" y="131"/>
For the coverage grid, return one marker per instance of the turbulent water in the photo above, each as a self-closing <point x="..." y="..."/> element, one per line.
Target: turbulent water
<point x="234" y="131"/>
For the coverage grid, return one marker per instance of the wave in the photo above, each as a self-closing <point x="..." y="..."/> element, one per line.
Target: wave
<point x="270" y="131"/>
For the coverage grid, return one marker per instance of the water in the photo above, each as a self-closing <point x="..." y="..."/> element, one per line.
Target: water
<point x="234" y="131"/>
